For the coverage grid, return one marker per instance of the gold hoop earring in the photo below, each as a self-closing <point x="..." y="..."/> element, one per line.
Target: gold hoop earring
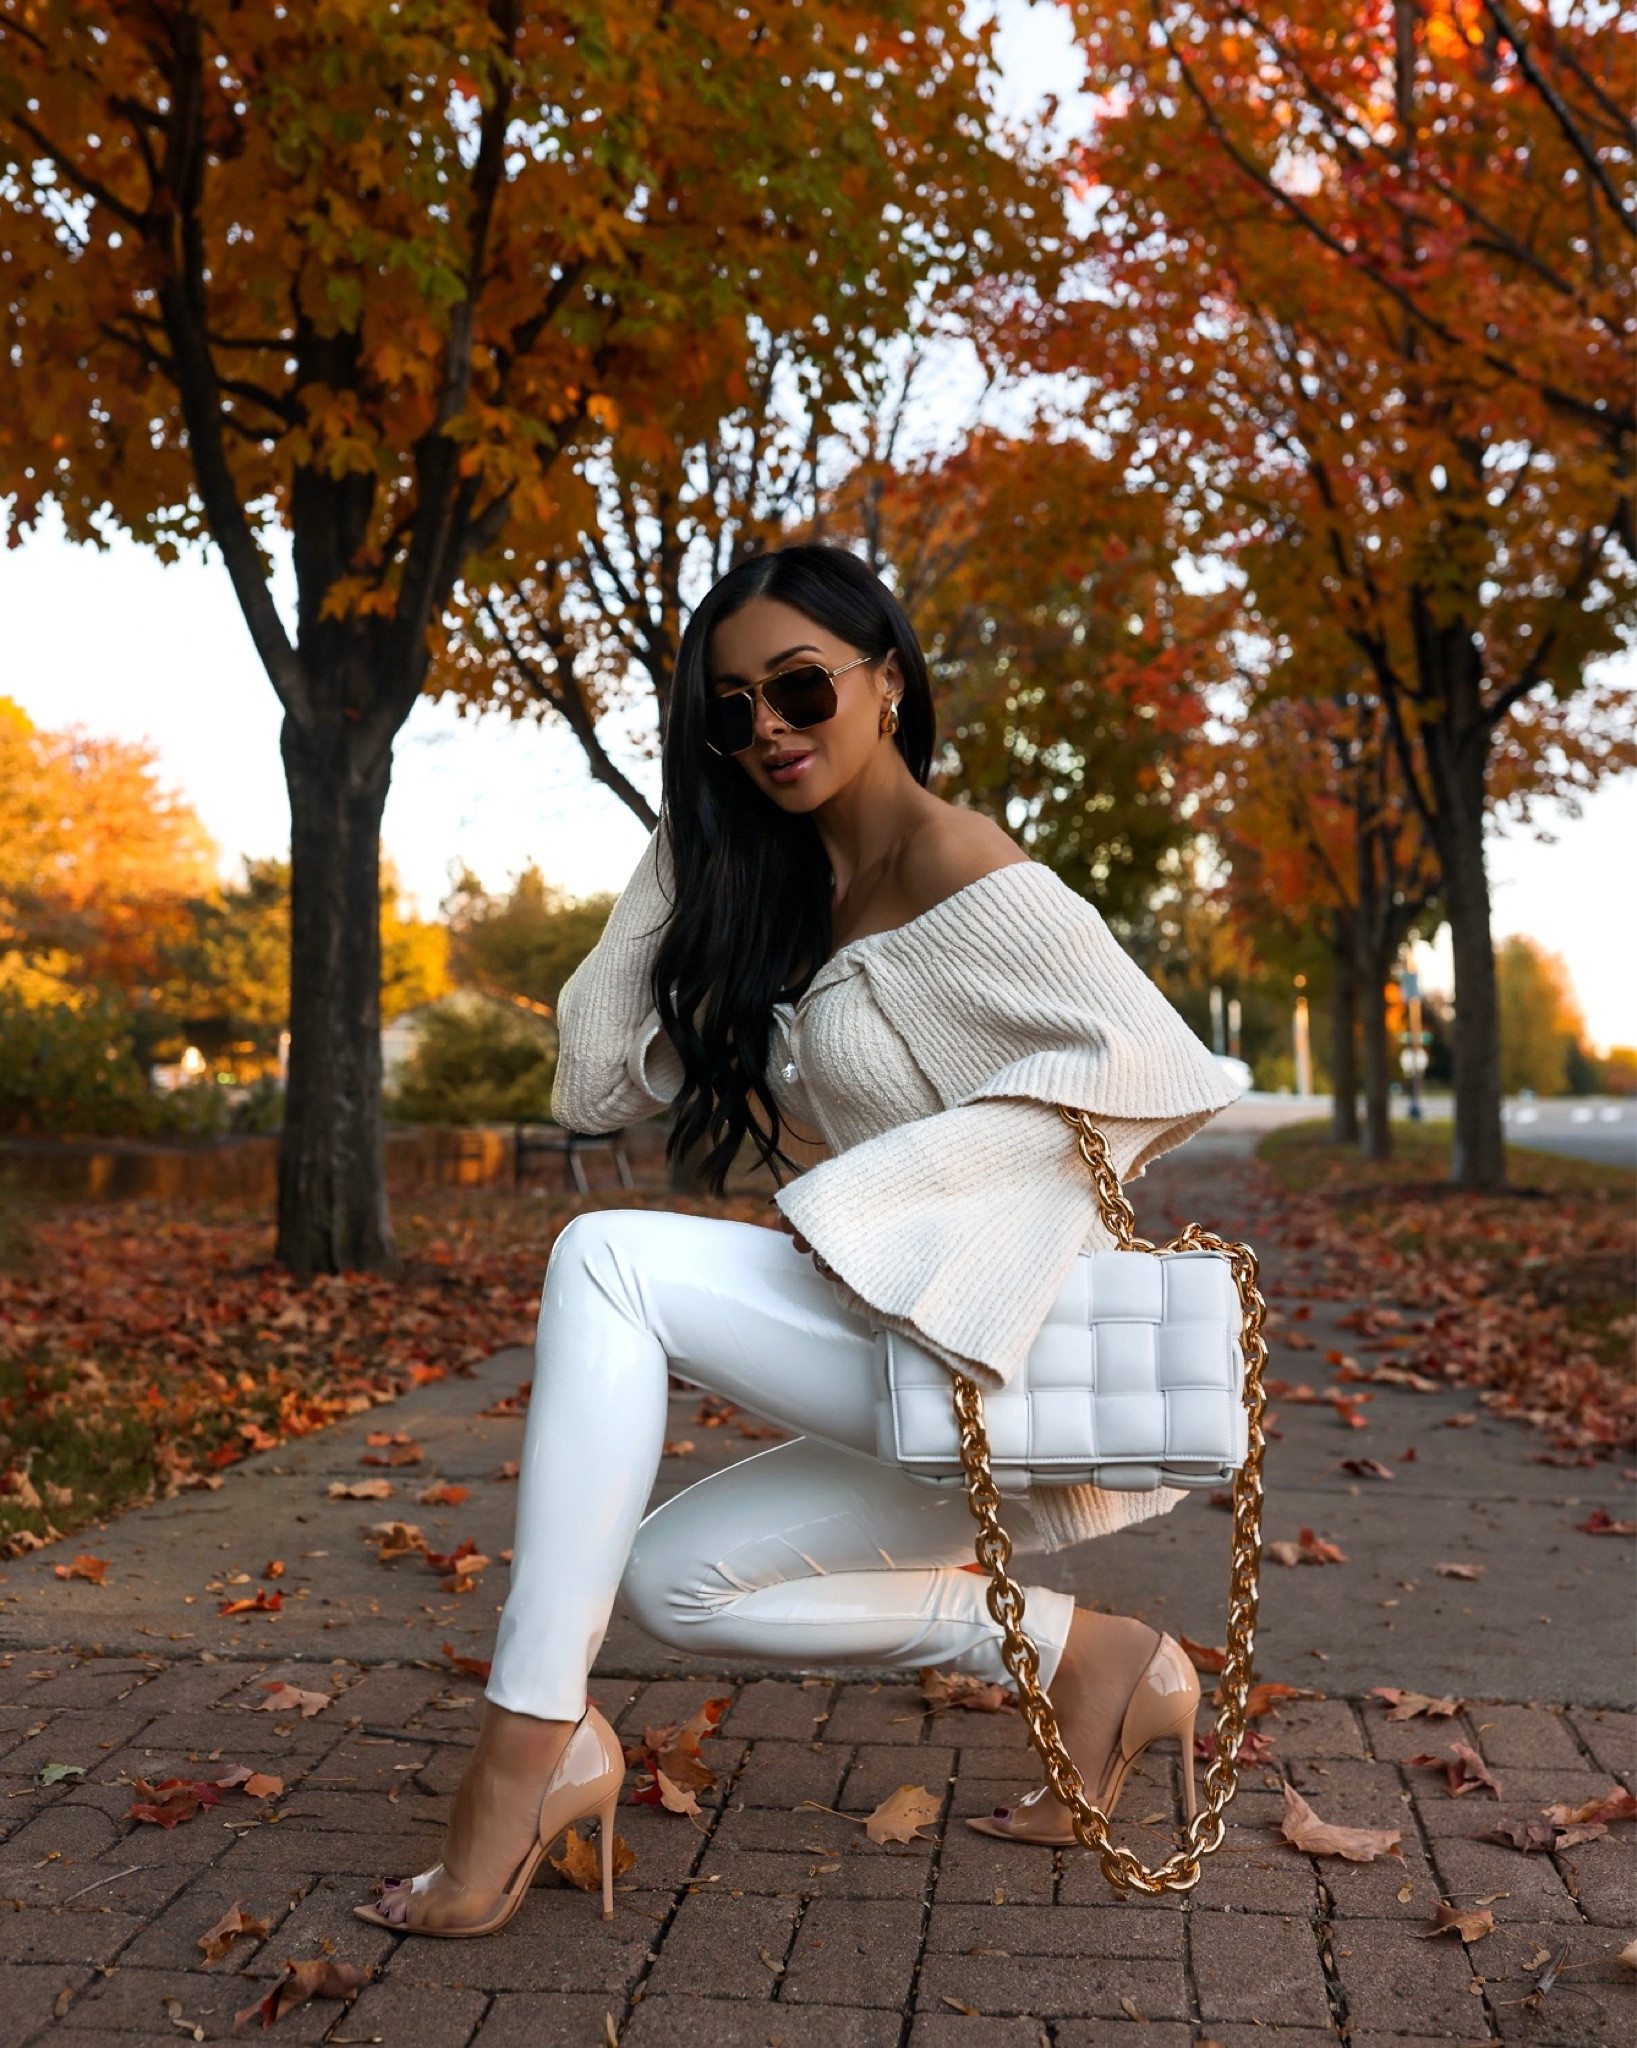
<point x="889" y="717"/>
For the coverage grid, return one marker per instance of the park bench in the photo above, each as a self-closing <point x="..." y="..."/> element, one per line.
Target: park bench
<point x="530" y="1141"/>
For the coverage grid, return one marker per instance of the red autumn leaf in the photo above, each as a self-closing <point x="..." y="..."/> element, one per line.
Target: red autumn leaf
<point x="470" y="1667"/>
<point x="302" y="1981"/>
<point x="262" y="1602"/>
<point x="85" y="1566"/>
<point x="1204" y="1656"/>
<point x="254" y="1784"/>
<point x="1266" y="1697"/>
<point x="1464" y="1770"/>
<point x="171" y="1801"/>
<point x="218" y="1938"/>
<point x="443" y="1496"/>
<point x="674" y="1749"/>
<point x="1600" y="1523"/>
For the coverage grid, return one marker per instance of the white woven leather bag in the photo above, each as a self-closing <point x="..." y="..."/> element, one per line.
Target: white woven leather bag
<point x="1136" y="1380"/>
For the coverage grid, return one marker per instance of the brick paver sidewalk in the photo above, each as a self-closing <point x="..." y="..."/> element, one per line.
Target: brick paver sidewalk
<point x="770" y="1921"/>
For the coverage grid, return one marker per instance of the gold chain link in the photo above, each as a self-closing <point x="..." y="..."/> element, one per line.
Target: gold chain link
<point x="1203" y="1834"/>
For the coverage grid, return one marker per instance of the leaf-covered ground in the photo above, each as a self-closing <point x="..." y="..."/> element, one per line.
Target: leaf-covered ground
<point x="1525" y="1295"/>
<point x="144" y="1348"/>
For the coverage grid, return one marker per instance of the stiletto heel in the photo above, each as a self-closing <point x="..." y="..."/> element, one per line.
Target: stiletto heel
<point x="1165" y="1701"/>
<point x="585" y="1785"/>
<point x="605" y="1849"/>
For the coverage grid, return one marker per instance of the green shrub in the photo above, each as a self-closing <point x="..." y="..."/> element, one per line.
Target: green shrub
<point x="476" y="1062"/>
<point x="66" y="1068"/>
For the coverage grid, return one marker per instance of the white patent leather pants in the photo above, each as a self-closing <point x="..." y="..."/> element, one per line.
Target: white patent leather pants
<point x="813" y="1552"/>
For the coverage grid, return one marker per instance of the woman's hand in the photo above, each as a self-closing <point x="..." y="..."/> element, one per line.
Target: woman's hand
<point x="803" y="1246"/>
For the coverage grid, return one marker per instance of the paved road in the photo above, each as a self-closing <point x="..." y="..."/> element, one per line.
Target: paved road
<point x="1602" y="1128"/>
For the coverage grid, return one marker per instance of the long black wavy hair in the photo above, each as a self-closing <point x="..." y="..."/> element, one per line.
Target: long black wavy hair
<point x="751" y="922"/>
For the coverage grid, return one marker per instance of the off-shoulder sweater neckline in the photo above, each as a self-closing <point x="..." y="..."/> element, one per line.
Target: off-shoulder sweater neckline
<point x="957" y="902"/>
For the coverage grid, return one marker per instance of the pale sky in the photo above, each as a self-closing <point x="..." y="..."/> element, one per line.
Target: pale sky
<point x="116" y="643"/>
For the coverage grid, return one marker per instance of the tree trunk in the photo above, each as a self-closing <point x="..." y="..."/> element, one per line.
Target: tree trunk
<point x="1456" y="745"/>
<point x="332" y="1208"/>
<point x="1378" y="1059"/>
<point x="1343" y="1032"/>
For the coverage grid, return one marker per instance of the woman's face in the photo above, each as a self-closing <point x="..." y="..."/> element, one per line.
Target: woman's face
<point x="802" y="770"/>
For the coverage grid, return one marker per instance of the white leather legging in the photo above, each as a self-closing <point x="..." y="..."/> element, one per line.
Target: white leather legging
<point x="811" y="1553"/>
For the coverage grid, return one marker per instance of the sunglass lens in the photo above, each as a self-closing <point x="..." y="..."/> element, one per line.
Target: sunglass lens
<point x="801" y="697"/>
<point x="730" y="723"/>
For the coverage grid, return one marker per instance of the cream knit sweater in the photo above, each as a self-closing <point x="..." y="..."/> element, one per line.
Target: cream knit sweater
<point x="929" y="1058"/>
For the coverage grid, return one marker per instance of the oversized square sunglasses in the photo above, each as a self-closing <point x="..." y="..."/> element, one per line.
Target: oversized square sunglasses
<point x="797" y="697"/>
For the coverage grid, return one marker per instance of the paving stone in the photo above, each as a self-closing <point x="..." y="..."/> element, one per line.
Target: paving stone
<point x="1317" y="1728"/>
<point x="879" y="1769"/>
<point x="783" y="1774"/>
<point x="1228" y="2036"/>
<point x="1118" y="2034"/>
<point x="1252" y="1966"/>
<point x="1252" y="1872"/>
<point x="31" y="1994"/>
<point x="1392" y="1741"/>
<point x="1525" y="1738"/>
<point x="380" y="1697"/>
<point x="68" y="1831"/>
<point x="669" y="1699"/>
<point x="170" y="1938"/>
<point x="1603" y="1876"/>
<point x="72" y="1738"/>
<point x="1611" y="1736"/>
<point x="972" y="1734"/>
<point x="1523" y="1795"/>
<point x="320" y="1921"/>
<point x="958" y="2030"/>
<point x="1396" y="1983"/>
<point x="424" y="2012"/>
<point x="132" y="2001"/>
<point x="560" y="1942"/>
<point x="981" y="1870"/>
<point x="100" y="1683"/>
<point x="850" y="1952"/>
<point x="1129" y="1932"/>
<point x="774" y="1710"/>
<point x="361" y="1763"/>
<point x="665" y="1845"/>
<point x="973" y="1797"/>
<point x="1591" y="2005"/>
<point x="719" y="1946"/>
<point x="1369" y="1891"/>
<point x="1357" y="1795"/>
<point x="540" y="2020"/>
<point x="718" y="2023"/>
<point x="1083" y="1882"/>
<point x="1534" y="1890"/>
<point x="186" y="1688"/>
<point x="38" y="1935"/>
<point x="877" y="1713"/>
<point x="1049" y="1986"/>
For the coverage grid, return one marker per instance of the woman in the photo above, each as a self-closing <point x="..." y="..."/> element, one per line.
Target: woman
<point x="813" y="939"/>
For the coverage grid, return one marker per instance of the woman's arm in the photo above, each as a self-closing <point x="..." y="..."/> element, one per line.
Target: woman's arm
<point x="614" y="1063"/>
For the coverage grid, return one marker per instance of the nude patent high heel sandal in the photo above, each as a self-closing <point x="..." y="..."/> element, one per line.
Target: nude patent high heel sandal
<point x="1165" y="1702"/>
<point x="585" y="1784"/>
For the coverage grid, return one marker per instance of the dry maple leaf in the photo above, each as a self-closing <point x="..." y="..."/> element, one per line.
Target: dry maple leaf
<point x="1404" y="1706"/>
<point x="1304" y="1830"/>
<point x="1266" y="1696"/>
<point x="944" y="1689"/>
<point x="254" y="1784"/>
<point x="1597" y="1523"/>
<point x="1535" y="1837"/>
<point x="215" y="1942"/>
<point x="361" y="1489"/>
<point x="1471" y="1925"/>
<point x="580" y="1866"/>
<point x="1615" y="1804"/>
<point x="902" y="1814"/>
<point x="1460" y="1571"/>
<point x="443" y="1496"/>
<point x="1315" y="1550"/>
<point x="674" y="1798"/>
<point x="1464" y="1770"/>
<point x="260" y="1602"/>
<point x="1207" y="1657"/>
<point x="301" y="1981"/>
<point x="283" y="1698"/>
<point x="395" y="1539"/>
<point x="85" y="1566"/>
<point x="674" y="1749"/>
<point x="273" y="1569"/>
<point x="469" y="1667"/>
<point x="171" y="1801"/>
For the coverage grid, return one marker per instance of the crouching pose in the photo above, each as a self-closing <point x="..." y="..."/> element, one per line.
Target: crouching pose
<point x="814" y="942"/>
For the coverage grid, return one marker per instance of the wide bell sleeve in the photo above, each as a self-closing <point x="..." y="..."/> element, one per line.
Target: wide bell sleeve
<point x="615" y="1064"/>
<point x="959" y="1228"/>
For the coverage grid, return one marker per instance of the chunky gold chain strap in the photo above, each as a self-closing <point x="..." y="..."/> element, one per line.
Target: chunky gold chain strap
<point x="1179" y="1872"/>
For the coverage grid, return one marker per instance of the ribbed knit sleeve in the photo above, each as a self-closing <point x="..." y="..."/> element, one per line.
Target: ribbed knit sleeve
<point x="614" y="1063"/>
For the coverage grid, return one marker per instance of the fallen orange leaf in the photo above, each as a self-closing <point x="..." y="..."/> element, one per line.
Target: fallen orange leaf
<point x="1304" y="1830"/>
<point x="470" y="1667"/>
<point x="302" y="1981"/>
<point x="1464" y="1770"/>
<point x="171" y="1801"/>
<point x="284" y="1698"/>
<point x="1471" y="1925"/>
<point x="1404" y="1706"/>
<point x="943" y="1689"/>
<point x="361" y="1489"/>
<point x="579" y="1864"/>
<point x="902" y="1814"/>
<point x="442" y="1496"/>
<point x="85" y="1566"/>
<point x="262" y="1602"/>
<point x="216" y="1940"/>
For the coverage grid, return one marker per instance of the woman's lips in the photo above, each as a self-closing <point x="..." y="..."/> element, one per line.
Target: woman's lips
<point x="790" y="768"/>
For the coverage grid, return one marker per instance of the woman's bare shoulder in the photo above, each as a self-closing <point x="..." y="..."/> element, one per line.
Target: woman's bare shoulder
<point x="950" y="851"/>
